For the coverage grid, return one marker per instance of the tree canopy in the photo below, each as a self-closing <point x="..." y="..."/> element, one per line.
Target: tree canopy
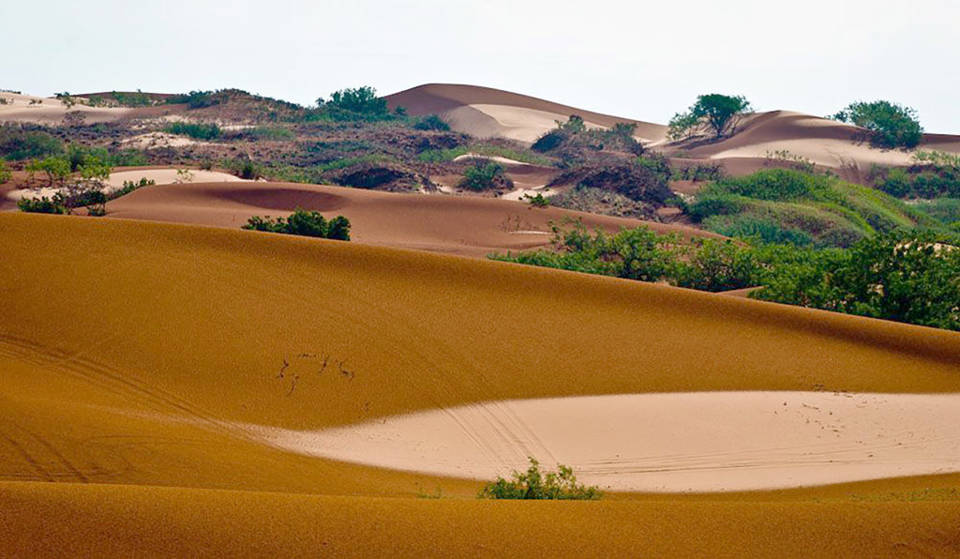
<point x="712" y="113"/>
<point x="888" y="124"/>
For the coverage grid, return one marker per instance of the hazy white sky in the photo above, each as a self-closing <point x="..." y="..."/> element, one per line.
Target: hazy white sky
<point x="645" y="60"/>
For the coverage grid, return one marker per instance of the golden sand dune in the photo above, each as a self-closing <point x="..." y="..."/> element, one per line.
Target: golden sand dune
<point x="52" y="111"/>
<point x="139" y="378"/>
<point x="462" y="225"/>
<point x="486" y="112"/>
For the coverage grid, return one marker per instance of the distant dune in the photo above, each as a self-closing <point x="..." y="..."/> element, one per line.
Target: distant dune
<point x="462" y="225"/>
<point x="138" y="380"/>
<point x="484" y="112"/>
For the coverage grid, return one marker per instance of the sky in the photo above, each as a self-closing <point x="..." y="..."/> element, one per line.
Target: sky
<point x="634" y="59"/>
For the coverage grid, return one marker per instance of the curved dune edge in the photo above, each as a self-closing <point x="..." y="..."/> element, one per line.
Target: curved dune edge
<point x="667" y="442"/>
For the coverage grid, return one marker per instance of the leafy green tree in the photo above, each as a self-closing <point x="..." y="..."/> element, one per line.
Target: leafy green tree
<point x="714" y="113"/>
<point x="888" y="125"/>
<point x="56" y="168"/>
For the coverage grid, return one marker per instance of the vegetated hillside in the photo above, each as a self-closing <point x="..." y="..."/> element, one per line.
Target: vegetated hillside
<point x="788" y="205"/>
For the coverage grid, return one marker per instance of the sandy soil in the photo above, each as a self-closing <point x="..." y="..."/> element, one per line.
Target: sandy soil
<point x="52" y="111"/>
<point x="670" y="442"/>
<point x="125" y="374"/>
<point x="468" y="226"/>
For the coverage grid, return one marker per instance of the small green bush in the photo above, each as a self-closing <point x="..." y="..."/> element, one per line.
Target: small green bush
<point x="304" y="223"/>
<point x="195" y="130"/>
<point x="194" y="99"/>
<point x="536" y="485"/>
<point x="5" y="173"/>
<point x="538" y="201"/>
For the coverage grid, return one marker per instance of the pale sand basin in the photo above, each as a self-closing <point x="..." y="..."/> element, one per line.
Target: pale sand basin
<point x="666" y="442"/>
<point x="170" y="176"/>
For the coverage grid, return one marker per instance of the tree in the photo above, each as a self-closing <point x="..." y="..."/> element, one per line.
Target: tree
<point x="56" y="168"/>
<point x="714" y="113"/>
<point x="305" y="223"/>
<point x="888" y="124"/>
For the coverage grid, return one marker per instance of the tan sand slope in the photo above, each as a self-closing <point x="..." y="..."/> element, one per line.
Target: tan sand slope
<point x="134" y="365"/>
<point x="487" y="112"/>
<point x="461" y="225"/>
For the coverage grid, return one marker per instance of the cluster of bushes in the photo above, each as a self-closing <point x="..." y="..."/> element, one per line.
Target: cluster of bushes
<point x="484" y="174"/>
<point x="304" y="223"/>
<point x="22" y="142"/>
<point x="574" y="135"/>
<point x="934" y="174"/>
<point x="534" y="484"/>
<point x="944" y="210"/>
<point x="194" y="99"/>
<point x="906" y="276"/>
<point x="360" y="104"/>
<point x="786" y="203"/>
<point x="195" y="130"/>
<point x="888" y="125"/>
<point x="643" y="180"/>
<point x="5" y="173"/>
<point x="121" y="99"/>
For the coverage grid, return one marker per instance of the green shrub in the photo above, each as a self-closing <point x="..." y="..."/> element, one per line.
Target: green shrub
<point x="431" y="122"/>
<point x="888" y="124"/>
<point x="304" y="223"/>
<point x="196" y="130"/>
<point x="550" y="140"/>
<point x="43" y="205"/>
<point x="17" y="144"/>
<point x="483" y="175"/>
<point x="194" y="99"/>
<point x="538" y="201"/>
<point x="536" y="485"/>
<point x="5" y="173"/>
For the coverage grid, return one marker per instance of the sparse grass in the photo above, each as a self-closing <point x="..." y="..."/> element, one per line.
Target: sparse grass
<point x="533" y="484"/>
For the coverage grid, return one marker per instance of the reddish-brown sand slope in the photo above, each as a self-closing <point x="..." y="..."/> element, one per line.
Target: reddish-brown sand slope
<point x="456" y="224"/>
<point x="132" y="355"/>
<point x="484" y="111"/>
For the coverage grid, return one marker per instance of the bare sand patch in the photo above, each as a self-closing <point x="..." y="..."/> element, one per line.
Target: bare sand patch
<point x="666" y="442"/>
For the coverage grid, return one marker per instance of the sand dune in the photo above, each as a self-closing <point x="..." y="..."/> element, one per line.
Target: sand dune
<point x="487" y="112"/>
<point x="461" y="225"/>
<point x="138" y="365"/>
<point x="825" y="142"/>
